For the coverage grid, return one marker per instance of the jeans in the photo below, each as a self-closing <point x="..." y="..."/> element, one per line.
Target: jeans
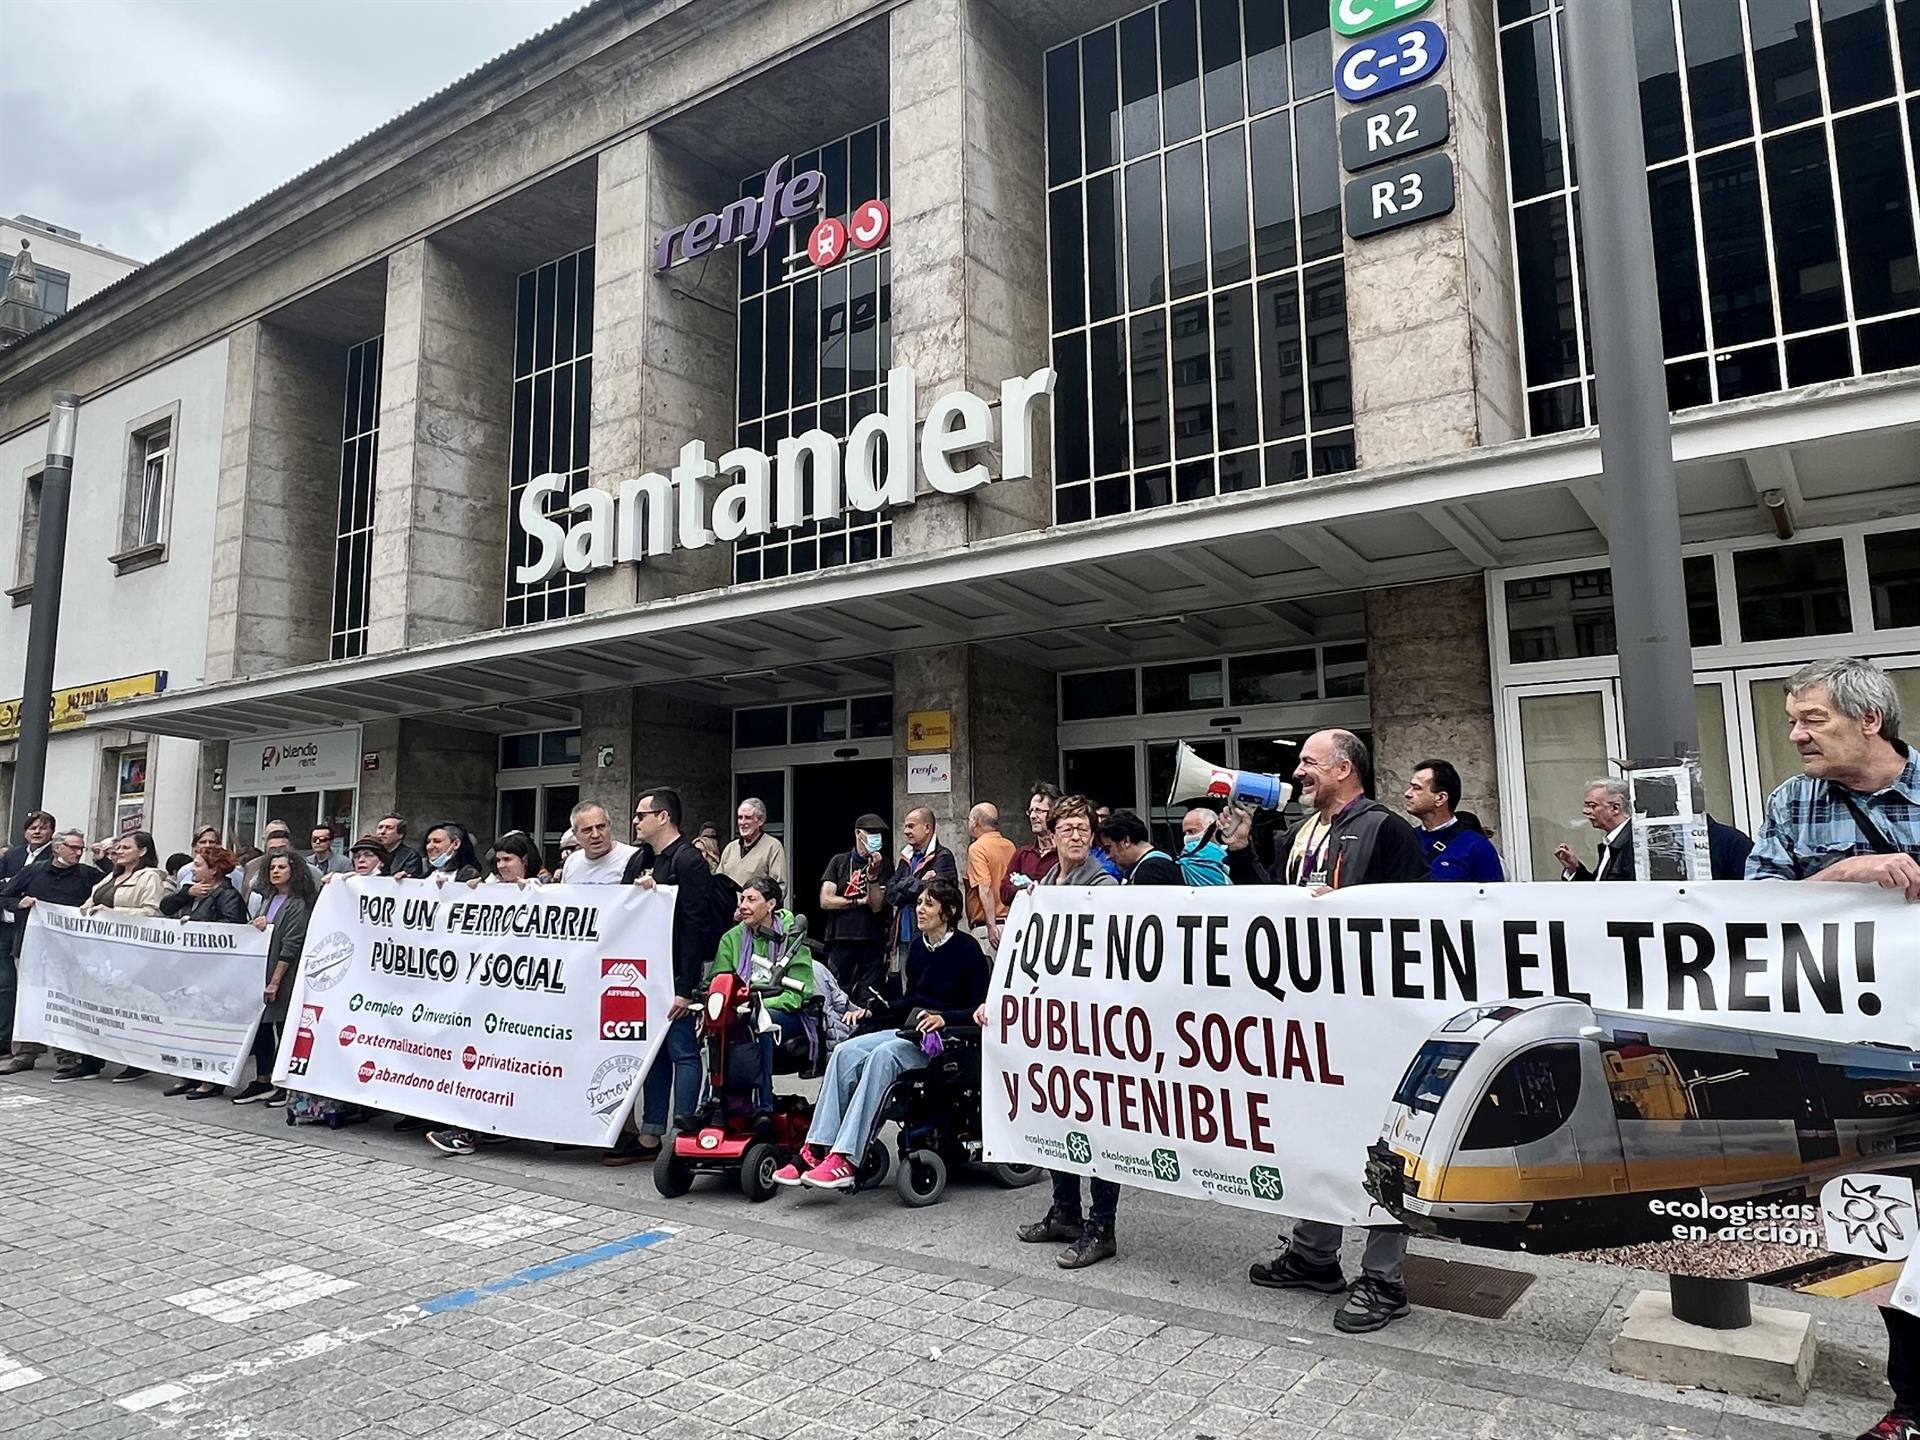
<point x="9" y="981"/>
<point x="1066" y="1198"/>
<point x="1318" y="1243"/>
<point x="1903" y="1359"/>
<point x="857" y="1080"/>
<point x="675" y="1069"/>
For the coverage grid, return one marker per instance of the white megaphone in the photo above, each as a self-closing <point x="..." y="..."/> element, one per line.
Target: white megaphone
<point x="1195" y="779"/>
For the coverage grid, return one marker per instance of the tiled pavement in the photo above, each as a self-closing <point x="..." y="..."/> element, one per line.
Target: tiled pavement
<point x="166" y="1270"/>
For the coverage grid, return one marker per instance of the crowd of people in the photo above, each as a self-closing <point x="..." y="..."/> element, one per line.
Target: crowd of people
<point x="905" y="929"/>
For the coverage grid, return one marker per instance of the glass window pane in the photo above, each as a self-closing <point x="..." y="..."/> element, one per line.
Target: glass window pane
<point x="872" y="717"/>
<point x="1266" y="31"/>
<point x="1310" y="27"/>
<point x="1560" y="617"/>
<point x="1772" y="736"/>
<point x="1859" y="52"/>
<point x="1890" y="345"/>
<point x="1186" y="220"/>
<point x="1893" y="578"/>
<point x="1274" y="245"/>
<point x="806" y="342"/>
<point x="1227" y="207"/>
<point x="1192" y="380"/>
<point x="1139" y="85"/>
<point x="1906" y="18"/>
<point x="1067" y="261"/>
<point x="519" y="752"/>
<point x="1716" y="765"/>
<point x="1663" y="126"/>
<point x="1100" y="98"/>
<point x="1534" y="157"/>
<point x="766" y="726"/>
<point x="1191" y="685"/>
<point x="1097" y="695"/>
<point x="1716" y="71"/>
<point x="1274" y="678"/>
<point x="1146" y="250"/>
<point x="1283" y="390"/>
<point x="560" y="747"/>
<point x="1739" y="290"/>
<point x="1814" y="358"/>
<point x="833" y="333"/>
<point x="1753" y="371"/>
<point x="1788" y="591"/>
<point x="1220" y="61"/>
<point x="1072" y="451"/>
<point x="1563" y="745"/>
<point x="1806" y="243"/>
<point x="1683" y="327"/>
<point x="1784" y="73"/>
<point x="1329" y="374"/>
<point x="1703" y="604"/>
<point x="1875" y="198"/>
<point x="1105" y="776"/>
<point x="1063" y="113"/>
<point x="1152" y="439"/>
<point x="1318" y="157"/>
<point x="1103" y="246"/>
<point x="1180" y="69"/>
<point x="1236" y="406"/>
<point x="819" y="721"/>
<point x="1549" y="346"/>
<point x="1345" y="669"/>
<point x="1109" y="384"/>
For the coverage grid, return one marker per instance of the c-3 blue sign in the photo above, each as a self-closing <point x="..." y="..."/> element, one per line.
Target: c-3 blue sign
<point x="1389" y="61"/>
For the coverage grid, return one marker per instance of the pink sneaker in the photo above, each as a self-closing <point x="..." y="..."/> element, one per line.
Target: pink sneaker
<point x="835" y="1172"/>
<point x="791" y="1174"/>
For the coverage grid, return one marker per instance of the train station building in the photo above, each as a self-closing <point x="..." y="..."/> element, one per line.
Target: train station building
<point x="878" y="402"/>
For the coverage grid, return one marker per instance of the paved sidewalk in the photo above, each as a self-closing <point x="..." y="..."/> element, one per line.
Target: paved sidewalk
<point x="202" y="1270"/>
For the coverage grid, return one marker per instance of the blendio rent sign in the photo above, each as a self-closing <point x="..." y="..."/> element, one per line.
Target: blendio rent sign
<point x="1553" y="1066"/>
<point x="532" y="1013"/>
<point x="180" y="999"/>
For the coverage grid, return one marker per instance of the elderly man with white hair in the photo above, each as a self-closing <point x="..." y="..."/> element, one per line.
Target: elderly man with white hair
<point x="1608" y="809"/>
<point x="754" y="855"/>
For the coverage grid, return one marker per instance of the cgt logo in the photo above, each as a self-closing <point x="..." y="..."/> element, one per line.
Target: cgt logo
<point x="623" y="1004"/>
<point x="303" y="1040"/>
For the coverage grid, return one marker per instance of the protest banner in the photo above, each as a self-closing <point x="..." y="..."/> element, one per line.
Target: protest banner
<point x="180" y="999"/>
<point x="532" y="1012"/>
<point x="1547" y="1066"/>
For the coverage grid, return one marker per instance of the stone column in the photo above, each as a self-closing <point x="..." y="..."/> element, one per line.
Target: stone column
<point x="677" y="744"/>
<point x="442" y="772"/>
<point x="606" y="723"/>
<point x="663" y="350"/>
<point x="1431" y="683"/>
<point x="969" y="241"/>
<point x="446" y="409"/>
<point x="271" y="598"/>
<point x="1430" y="307"/>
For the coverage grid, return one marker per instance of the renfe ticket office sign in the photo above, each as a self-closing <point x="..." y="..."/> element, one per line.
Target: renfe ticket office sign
<point x="533" y="1013"/>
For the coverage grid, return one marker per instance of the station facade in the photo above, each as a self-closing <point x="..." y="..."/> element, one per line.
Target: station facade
<point x="1298" y="431"/>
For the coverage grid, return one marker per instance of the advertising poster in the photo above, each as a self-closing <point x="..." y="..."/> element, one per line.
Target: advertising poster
<point x="180" y="999"/>
<point x="1554" y="1067"/>
<point x="531" y="1013"/>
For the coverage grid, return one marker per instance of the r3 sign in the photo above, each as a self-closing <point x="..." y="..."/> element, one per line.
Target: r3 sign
<point x="1390" y="61"/>
<point x="1357" y="17"/>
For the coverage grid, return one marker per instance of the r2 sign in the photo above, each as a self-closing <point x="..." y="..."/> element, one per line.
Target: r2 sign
<point x="1390" y="61"/>
<point x="1357" y="17"/>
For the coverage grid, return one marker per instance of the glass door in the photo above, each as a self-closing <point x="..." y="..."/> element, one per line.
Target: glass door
<point x="1559" y="737"/>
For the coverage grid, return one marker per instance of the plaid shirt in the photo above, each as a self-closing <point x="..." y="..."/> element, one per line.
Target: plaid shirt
<point x="1808" y="828"/>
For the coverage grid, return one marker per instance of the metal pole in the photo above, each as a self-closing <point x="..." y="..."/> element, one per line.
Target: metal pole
<point x="43" y="631"/>
<point x="1636" y="434"/>
<point x="1636" y="445"/>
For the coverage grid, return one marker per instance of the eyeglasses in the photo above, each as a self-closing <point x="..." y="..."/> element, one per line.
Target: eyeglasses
<point x="644" y="814"/>
<point x="1073" y="827"/>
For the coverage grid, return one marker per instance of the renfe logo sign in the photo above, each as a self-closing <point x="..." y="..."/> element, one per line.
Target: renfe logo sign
<point x="750" y="215"/>
<point x="811" y="476"/>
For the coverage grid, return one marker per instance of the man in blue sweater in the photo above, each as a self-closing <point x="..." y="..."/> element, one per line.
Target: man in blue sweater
<point x="1455" y="850"/>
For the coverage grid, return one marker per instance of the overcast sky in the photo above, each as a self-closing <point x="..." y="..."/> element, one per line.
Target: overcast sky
<point x="139" y="123"/>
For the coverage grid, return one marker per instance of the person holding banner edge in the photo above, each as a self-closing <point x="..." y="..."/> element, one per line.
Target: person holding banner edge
<point x="62" y="877"/>
<point x="1852" y="816"/>
<point x="282" y="899"/>
<point x="36" y="843"/>
<point x="136" y="885"/>
<point x="1344" y="839"/>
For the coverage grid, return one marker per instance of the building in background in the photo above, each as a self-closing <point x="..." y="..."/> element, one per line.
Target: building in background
<point x="1286" y="477"/>
<point x="68" y="269"/>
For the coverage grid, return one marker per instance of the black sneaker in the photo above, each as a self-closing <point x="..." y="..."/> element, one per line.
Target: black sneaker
<point x="451" y="1142"/>
<point x="256" y="1091"/>
<point x="1090" y="1247"/>
<point x="75" y="1072"/>
<point x="1287" y="1271"/>
<point x="631" y="1152"/>
<point x="277" y="1100"/>
<point x="180" y="1087"/>
<point x="1373" y="1305"/>
<point x="127" y="1075"/>
<point x="1053" y="1227"/>
<point x="1894" y="1426"/>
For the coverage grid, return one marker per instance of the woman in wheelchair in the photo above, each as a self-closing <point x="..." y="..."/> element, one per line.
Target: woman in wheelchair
<point x="945" y="976"/>
<point x="768" y="949"/>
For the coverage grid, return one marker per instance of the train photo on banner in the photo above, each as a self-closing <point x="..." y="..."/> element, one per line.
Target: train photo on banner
<point x="1548" y="1125"/>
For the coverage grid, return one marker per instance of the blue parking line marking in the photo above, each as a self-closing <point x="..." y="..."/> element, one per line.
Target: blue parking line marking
<point x="613" y="1249"/>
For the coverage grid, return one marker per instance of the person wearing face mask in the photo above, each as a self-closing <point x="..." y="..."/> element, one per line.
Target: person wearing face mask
<point x="853" y="892"/>
<point x="450" y="853"/>
<point x="60" y="876"/>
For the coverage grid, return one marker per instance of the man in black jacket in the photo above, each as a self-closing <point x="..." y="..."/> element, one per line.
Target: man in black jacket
<point x="1343" y="839"/>
<point x="402" y="858"/>
<point x="921" y="856"/>
<point x="59" y="877"/>
<point x="675" y="1072"/>
<point x="37" y="834"/>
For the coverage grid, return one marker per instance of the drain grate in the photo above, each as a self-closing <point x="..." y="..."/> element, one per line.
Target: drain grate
<point x="1465" y="1289"/>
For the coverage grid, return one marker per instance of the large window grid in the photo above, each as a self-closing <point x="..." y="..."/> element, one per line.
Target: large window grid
<point x="1780" y="144"/>
<point x="1196" y="279"/>
<point x="552" y="388"/>
<point x="814" y="347"/>
<point x="353" y="526"/>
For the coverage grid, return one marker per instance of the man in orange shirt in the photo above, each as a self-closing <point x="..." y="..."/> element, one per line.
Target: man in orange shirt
<point x="987" y="860"/>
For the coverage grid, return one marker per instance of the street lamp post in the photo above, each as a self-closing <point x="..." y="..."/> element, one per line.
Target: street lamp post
<point x="43" y="630"/>
<point x="1636" y="447"/>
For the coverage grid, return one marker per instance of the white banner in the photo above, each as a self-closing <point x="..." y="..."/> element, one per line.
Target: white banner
<point x="181" y="999"/>
<point x="1515" y="1056"/>
<point x="532" y="1013"/>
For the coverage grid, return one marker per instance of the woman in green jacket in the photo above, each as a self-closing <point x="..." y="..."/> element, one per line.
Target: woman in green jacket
<point x="768" y="948"/>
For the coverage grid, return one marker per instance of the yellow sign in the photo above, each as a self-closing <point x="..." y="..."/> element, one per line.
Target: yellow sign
<point x="70" y="706"/>
<point x="928" y="731"/>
